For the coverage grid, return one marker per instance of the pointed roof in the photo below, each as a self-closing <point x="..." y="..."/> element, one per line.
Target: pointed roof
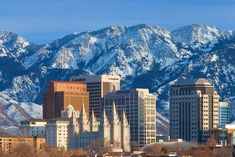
<point x="124" y="118"/>
<point x="83" y="112"/>
<point x="105" y="118"/>
<point x="115" y="114"/>
<point x="93" y="117"/>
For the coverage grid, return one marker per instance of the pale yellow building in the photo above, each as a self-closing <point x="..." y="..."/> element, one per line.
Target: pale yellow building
<point x="9" y="143"/>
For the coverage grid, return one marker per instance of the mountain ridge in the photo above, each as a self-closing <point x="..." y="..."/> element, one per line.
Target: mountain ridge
<point x="143" y="55"/>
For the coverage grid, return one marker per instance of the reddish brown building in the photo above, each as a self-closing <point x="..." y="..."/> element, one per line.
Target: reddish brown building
<point x="60" y="94"/>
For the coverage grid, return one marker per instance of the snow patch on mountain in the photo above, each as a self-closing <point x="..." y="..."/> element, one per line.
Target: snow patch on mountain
<point x="144" y="56"/>
<point x="197" y="36"/>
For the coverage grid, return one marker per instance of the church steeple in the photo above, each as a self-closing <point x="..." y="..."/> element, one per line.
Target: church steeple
<point x="105" y="118"/>
<point x="94" y="122"/>
<point x="115" y="117"/>
<point x="84" y="121"/>
<point x="125" y="133"/>
<point x="124" y="119"/>
<point x="116" y="128"/>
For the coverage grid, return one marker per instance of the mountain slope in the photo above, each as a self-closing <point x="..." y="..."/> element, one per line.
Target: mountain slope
<point x="144" y="56"/>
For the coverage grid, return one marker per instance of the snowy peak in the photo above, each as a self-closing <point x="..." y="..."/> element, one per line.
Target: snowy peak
<point x="143" y="55"/>
<point x="12" y="44"/>
<point x="197" y="36"/>
<point x="103" y="49"/>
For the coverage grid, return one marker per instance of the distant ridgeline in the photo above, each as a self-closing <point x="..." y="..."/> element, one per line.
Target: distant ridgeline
<point x="144" y="56"/>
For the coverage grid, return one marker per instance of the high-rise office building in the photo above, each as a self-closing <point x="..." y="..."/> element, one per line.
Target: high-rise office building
<point x="194" y="109"/>
<point x="140" y="108"/>
<point x="98" y="86"/>
<point x="224" y="114"/>
<point x="61" y="94"/>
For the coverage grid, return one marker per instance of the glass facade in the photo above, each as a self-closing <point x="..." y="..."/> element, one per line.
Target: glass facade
<point x="224" y="114"/>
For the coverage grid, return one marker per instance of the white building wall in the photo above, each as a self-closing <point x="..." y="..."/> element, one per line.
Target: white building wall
<point x="57" y="134"/>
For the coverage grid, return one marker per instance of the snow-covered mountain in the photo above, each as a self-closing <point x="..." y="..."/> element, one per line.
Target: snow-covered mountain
<point x="144" y="56"/>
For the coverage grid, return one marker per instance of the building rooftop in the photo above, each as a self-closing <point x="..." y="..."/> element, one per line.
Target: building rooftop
<point x="59" y="119"/>
<point x="170" y="144"/>
<point x="188" y="82"/>
<point x="35" y="120"/>
<point x="67" y="82"/>
<point x="17" y="136"/>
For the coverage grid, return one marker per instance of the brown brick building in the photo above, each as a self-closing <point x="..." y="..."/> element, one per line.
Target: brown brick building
<point x="9" y="143"/>
<point x="60" y="94"/>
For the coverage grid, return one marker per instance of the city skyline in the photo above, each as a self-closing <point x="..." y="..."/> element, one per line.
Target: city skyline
<point x="44" y="21"/>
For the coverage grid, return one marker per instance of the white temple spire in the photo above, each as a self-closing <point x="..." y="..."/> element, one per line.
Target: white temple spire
<point x="115" y="117"/>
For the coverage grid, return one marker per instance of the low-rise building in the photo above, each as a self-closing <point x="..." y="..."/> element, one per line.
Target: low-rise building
<point x="33" y="128"/>
<point x="230" y="131"/>
<point x="9" y="143"/>
<point x="57" y="132"/>
<point x="77" y="130"/>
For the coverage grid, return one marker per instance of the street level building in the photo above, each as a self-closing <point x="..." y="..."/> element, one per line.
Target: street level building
<point x="194" y="110"/>
<point x="76" y="130"/>
<point x="33" y="128"/>
<point x="60" y="94"/>
<point x="57" y="133"/>
<point x="98" y="86"/>
<point x="10" y="143"/>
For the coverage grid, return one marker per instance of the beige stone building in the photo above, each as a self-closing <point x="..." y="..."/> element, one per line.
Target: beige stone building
<point x="98" y="86"/>
<point x="77" y="130"/>
<point x="9" y="143"/>
<point x="194" y="109"/>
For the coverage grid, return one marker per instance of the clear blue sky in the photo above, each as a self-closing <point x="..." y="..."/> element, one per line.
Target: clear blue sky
<point x="41" y="21"/>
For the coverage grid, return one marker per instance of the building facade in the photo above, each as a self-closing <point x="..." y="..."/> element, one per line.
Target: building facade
<point x="33" y="128"/>
<point x="230" y="132"/>
<point x="224" y="114"/>
<point x="77" y="130"/>
<point x="98" y="87"/>
<point x="10" y="143"/>
<point x="57" y="134"/>
<point x="60" y="94"/>
<point x="140" y="108"/>
<point x="194" y="110"/>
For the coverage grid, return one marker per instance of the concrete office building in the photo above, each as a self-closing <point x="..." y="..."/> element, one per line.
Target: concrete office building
<point x="98" y="86"/>
<point x="60" y="94"/>
<point x="33" y="128"/>
<point x="194" y="109"/>
<point x="140" y="108"/>
<point x="57" y="134"/>
<point x="10" y="143"/>
<point x="224" y="114"/>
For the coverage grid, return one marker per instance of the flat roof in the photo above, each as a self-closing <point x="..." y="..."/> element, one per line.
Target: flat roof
<point x="16" y="136"/>
<point x="187" y="82"/>
<point x="69" y="82"/>
<point x="34" y="120"/>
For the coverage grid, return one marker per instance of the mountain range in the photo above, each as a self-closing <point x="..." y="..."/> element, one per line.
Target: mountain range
<point x="144" y="56"/>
